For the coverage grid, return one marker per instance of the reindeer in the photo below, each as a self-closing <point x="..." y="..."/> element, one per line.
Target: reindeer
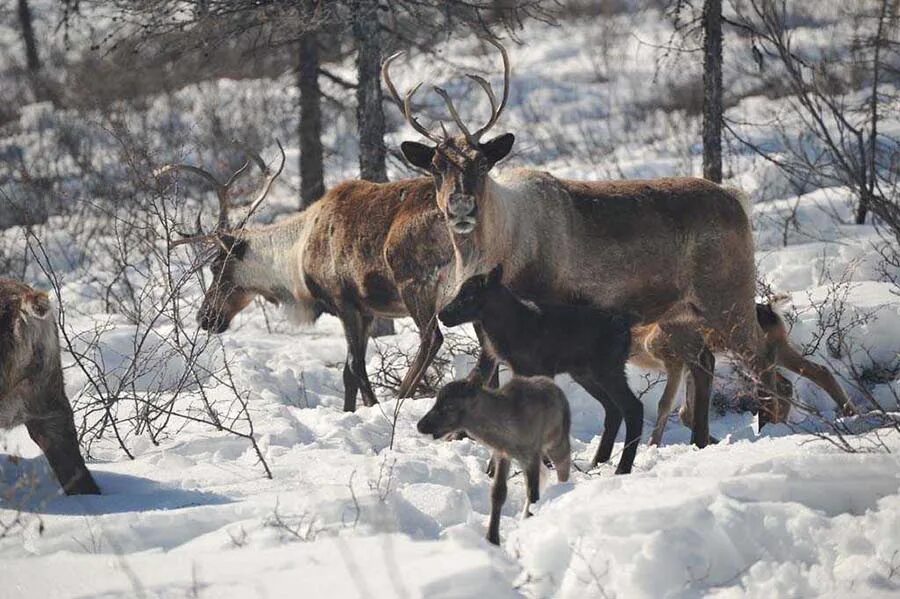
<point x="675" y="251"/>
<point x="527" y="419"/>
<point x="363" y="250"/>
<point x="589" y="344"/>
<point x="32" y="391"/>
<point x="650" y="349"/>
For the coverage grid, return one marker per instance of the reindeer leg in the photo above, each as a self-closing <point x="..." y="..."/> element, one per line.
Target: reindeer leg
<point x="430" y="341"/>
<point x="791" y="359"/>
<point x="702" y="373"/>
<point x="420" y="303"/>
<point x="498" y="497"/>
<point x="351" y="388"/>
<point x="356" y="331"/>
<point x="674" y="373"/>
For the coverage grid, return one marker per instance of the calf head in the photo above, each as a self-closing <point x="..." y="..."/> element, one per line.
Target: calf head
<point x="468" y="303"/>
<point x="458" y="165"/>
<point x="449" y="411"/>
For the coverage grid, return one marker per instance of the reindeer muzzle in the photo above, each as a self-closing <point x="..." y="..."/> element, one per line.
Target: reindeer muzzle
<point x="461" y="213"/>
<point x="215" y="325"/>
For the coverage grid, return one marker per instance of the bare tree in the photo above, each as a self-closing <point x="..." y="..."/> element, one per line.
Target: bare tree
<point x="32" y="59"/>
<point x="712" y="90"/>
<point x="312" y="177"/>
<point x="369" y="113"/>
<point x="849" y="149"/>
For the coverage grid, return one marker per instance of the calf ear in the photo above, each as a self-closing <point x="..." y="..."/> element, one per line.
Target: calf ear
<point x="496" y="149"/>
<point x="417" y="154"/>
<point x="495" y="277"/>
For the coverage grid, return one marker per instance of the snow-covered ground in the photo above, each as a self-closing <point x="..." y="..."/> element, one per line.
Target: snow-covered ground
<point x="360" y="508"/>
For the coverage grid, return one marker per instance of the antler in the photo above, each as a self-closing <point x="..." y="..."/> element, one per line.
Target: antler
<point x="267" y="184"/>
<point x="495" y="112"/>
<point x="475" y="138"/>
<point x="223" y="192"/>
<point x="406" y="103"/>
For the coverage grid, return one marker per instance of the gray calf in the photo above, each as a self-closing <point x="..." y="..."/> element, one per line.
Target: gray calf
<point x="31" y="384"/>
<point x="524" y="420"/>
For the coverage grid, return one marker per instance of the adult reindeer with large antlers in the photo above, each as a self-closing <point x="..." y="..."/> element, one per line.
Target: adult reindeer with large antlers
<point x="675" y="251"/>
<point x="363" y="250"/>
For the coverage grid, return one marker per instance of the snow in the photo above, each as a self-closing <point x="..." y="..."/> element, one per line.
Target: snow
<point x="358" y="508"/>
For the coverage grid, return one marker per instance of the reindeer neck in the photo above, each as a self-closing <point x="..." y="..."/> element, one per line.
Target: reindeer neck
<point x="271" y="262"/>
<point x="484" y="248"/>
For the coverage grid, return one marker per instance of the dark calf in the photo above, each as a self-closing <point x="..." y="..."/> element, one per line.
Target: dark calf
<point x="525" y="420"/>
<point x="590" y="344"/>
<point x="31" y="384"/>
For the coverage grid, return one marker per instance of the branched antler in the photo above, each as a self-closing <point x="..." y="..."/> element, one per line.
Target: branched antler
<point x="472" y="138"/>
<point x="406" y="103"/>
<point x="224" y="192"/>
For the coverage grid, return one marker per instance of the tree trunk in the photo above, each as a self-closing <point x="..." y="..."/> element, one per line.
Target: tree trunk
<point x="312" y="180"/>
<point x="712" y="90"/>
<point x="369" y="110"/>
<point x="32" y="60"/>
<point x="31" y="52"/>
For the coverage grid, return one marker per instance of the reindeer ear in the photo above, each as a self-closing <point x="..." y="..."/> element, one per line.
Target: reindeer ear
<point x="495" y="277"/>
<point x="496" y="149"/>
<point x="224" y="240"/>
<point x="36" y="305"/>
<point x="234" y="246"/>
<point x="417" y="154"/>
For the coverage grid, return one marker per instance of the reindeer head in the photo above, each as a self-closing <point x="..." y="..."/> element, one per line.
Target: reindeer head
<point x="226" y="297"/>
<point x="447" y="416"/>
<point x="468" y="304"/>
<point x="459" y="165"/>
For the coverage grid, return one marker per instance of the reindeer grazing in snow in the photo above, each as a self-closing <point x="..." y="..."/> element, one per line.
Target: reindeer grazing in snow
<point x="675" y="251"/>
<point x="650" y="349"/>
<point x="32" y="391"/>
<point x="527" y="419"/>
<point x="363" y="250"/>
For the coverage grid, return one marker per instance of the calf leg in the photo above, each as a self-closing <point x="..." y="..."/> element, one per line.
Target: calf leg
<point x="674" y="372"/>
<point x="498" y="497"/>
<point x="631" y="408"/>
<point x="486" y="370"/>
<point x="532" y="484"/>
<point x="561" y="456"/>
<point x="55" y="434"/>
<point x="612" y="419"/>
